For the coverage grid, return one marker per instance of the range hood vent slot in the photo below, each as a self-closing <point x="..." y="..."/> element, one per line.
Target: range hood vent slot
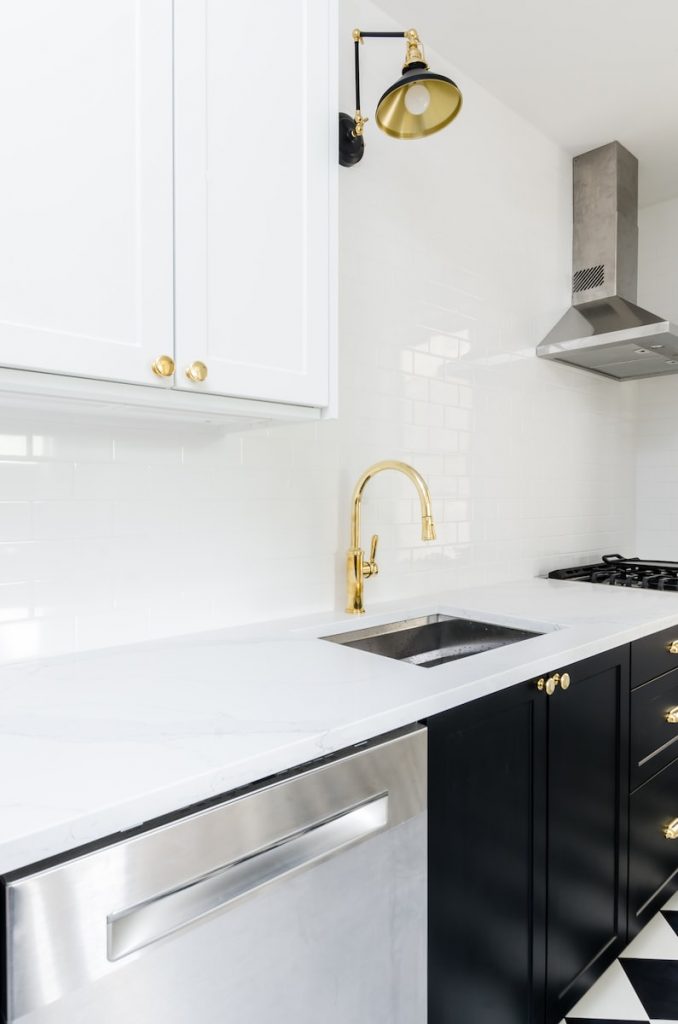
<point x="590" y="277"/>
<point x="604" y="330"/>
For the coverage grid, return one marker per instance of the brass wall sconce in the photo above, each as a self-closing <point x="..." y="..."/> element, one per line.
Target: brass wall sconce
<point x="418" y="104"/>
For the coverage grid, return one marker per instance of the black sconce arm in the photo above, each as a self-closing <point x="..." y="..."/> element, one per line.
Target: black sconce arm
<point x="351" y="143"/>
<point x="358" y="37"/>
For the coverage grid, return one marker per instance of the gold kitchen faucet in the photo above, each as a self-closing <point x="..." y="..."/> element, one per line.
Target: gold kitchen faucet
<point x="357" y="568"/>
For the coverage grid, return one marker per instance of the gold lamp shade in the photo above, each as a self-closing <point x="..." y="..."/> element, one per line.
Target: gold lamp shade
<point x="418" y="104"/>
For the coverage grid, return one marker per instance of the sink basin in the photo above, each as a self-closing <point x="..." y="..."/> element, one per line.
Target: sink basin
<point x="431" y="639"/>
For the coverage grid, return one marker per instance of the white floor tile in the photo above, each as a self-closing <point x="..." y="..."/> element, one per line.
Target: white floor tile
<point x="657" y="941"/>
<point x="672" y="904"/>
<point x="611" y="998"/>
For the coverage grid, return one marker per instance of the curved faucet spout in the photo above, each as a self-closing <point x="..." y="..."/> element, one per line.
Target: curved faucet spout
<point x="357" y="568"/>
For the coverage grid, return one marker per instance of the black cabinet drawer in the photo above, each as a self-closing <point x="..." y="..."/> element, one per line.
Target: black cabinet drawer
<point x="651" y="656"/>
<point x="653" y="860"/>
<point x="654" y="726"/>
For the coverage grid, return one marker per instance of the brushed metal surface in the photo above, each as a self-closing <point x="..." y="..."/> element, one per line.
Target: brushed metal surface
<point x="605" y="330"/>
<point x="139" y="926"/>
<point x="605" y="200"/>
<point x="58" y="920"/>
<point x="431" y="640"/>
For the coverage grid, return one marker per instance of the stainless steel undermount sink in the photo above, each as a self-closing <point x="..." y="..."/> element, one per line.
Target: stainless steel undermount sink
<point x="431" y="639"/>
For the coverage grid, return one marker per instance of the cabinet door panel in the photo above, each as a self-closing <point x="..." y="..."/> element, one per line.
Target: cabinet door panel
<point x="587" y="800"/>
<point x="486" y="861"/>
<point x="86" y="202"/>
<point x="252" y="158"/>
<point x="651" y="656"/>
<point x="653" y="864"/>
<point x="654" y="740"/>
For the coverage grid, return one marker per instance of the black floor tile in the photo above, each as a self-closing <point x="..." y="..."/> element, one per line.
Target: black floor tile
<point x="672" y="917"/>
<point x="656" y="984"/>
<point x="599" y="1020"/>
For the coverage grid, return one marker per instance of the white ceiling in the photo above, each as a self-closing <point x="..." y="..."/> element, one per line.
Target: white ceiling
<point x="583" y="71"/>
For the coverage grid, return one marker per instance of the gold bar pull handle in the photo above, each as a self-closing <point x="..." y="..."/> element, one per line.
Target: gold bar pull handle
<point x="672" y="647"/>
<point x="672" y="716"/>
<point x="671" y="830"/>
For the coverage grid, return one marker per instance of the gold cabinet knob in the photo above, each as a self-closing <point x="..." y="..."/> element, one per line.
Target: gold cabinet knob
<point x="163" y="366"/>
<point x="672" y="647"/>
<point x="549" y="686"/>
<point x="671" y="830"/>
<point x="196" y="372"/>
<point x="672" y="716"/>
<point x="565" y="681"/>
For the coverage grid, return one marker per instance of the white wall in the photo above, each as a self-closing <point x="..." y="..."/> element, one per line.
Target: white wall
<point x="455" y="260"/>
<point x="657" y="441"/>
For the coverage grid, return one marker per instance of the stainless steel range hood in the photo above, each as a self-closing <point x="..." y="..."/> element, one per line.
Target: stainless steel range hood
<point x="604" y="330"/>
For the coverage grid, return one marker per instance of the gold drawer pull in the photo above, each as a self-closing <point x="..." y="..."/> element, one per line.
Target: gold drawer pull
<point x="163" y="366"/>
<point x="672" y="716"/>
<point x="196" y="372"/>
<point x="671" y="830"/>
<point x="550" y="685"/>
<point x="565" y="681"/>
<point x="672" y="647"/>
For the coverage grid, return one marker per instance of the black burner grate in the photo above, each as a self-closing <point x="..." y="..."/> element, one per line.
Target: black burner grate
<point x="617" y="571"/>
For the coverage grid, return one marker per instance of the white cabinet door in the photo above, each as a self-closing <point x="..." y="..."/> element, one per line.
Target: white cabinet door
<point x="254" y="168"/>
<point x="86" y="194"/>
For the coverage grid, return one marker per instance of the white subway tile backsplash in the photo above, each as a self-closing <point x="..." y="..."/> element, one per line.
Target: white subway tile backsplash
<point x="29" y="480"/>
<point x="15" y="520"/>
<point x="53" y="520"/>
<point x="657" y="425"/>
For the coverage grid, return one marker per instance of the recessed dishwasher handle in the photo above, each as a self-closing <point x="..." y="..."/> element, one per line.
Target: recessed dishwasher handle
<point x="98" y="913"/>
<point x="136" y="927"/>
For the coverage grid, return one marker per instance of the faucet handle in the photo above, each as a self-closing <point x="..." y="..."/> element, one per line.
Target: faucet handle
<point x="371" y="568"/>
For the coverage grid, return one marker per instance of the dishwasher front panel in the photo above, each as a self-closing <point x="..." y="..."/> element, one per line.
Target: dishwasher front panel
<point x="298" y="901"/>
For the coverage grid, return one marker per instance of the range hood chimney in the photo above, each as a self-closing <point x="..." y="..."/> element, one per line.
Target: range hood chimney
<point x="604" y="330"/>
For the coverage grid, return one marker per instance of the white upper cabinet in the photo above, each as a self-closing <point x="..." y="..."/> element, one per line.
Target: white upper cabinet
<point x="255" y="156"/>
<point x="168" y="183"/>
<point x="86" y="198"/>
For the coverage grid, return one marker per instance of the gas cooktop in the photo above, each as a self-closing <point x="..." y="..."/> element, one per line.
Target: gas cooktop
<point x="617" y="571"/>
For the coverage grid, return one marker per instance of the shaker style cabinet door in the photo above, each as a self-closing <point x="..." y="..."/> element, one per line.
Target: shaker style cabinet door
<point x="254" y="167"/>
<point x="487" y="860"/>
<point x="86" y="197"/>
<point x="588" y="742"/>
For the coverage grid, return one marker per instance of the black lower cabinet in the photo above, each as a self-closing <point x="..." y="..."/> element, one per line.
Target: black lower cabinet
<point x="587" y="827"/>
<point x="653" y="869"/>
<point x="527" y="847"/>
<point x="487" y="860"/>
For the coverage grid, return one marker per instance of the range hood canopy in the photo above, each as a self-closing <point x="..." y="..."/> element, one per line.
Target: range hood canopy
<point x="604" y="330"/>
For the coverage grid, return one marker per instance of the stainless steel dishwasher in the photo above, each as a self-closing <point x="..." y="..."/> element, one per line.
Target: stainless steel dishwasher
<point x="302" y="899"/>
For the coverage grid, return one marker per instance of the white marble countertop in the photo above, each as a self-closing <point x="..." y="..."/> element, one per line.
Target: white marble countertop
<point x="95" y="743"/>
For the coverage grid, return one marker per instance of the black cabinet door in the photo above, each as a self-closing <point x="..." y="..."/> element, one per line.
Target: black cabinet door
<point x="486" y="860"/>
<point x="587" y="827"/>
<point x="653" y="864"/>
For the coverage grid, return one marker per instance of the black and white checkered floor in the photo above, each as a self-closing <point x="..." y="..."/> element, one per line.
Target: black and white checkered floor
<point x="642" y="985"/>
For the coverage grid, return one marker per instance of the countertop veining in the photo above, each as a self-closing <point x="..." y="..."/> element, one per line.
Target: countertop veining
<point x="96" y="743"/>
